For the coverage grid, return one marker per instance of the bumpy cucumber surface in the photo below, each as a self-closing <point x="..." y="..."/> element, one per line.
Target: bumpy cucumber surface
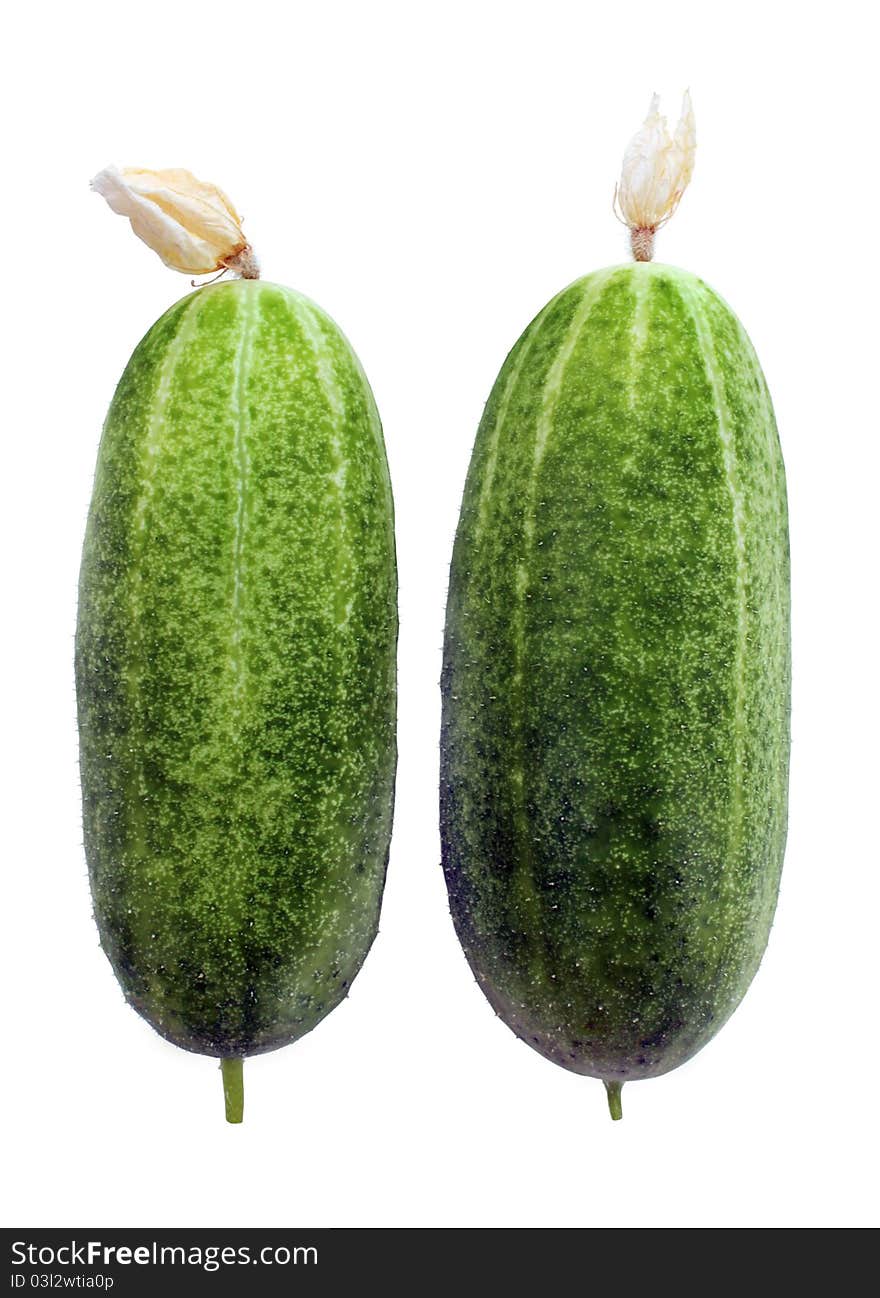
<point x="616" y="677"/>
<point x="235" y="665"/>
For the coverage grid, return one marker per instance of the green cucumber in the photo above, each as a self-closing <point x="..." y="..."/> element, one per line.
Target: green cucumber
<point x="616" y="677"/>
<point x="235" y="668"/>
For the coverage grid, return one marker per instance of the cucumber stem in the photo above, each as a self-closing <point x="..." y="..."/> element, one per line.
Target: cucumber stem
<point x="614" y="1105"/>
<point x="233" y="1088"/>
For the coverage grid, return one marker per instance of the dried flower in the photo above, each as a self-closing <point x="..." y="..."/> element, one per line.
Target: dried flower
<point x="191" y="224"/>
<point x="656" y="170"/>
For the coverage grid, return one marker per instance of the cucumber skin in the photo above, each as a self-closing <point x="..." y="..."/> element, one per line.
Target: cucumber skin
<point x="236" y="674"/>
<point x="616" y="680"/>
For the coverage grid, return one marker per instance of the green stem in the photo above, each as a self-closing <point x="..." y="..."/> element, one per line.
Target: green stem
<point x="233" y="1088"/>
<point x="614" y="1105"/>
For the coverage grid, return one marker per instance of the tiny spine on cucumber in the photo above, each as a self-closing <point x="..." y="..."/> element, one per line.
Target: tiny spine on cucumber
<point x="233" y="1088"/>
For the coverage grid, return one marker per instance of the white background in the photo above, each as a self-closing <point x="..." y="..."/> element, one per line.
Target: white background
<point x="432" y="175"/>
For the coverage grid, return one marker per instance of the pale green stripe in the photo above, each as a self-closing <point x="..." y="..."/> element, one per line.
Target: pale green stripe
<point x="250" y="316"/>
<point x="641" y="292"/>
<point x="153" y="440"/>
<point x="525" y="346"/>
<point x="332" y="393"/>
<point x="728" y="451"/>
<point x="311" y="323"/>
<point x="149" y="463"/>
<point x="594" y="287"/>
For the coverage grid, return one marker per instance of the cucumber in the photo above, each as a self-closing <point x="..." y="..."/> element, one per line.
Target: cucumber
<point x="235" y="670"/>
<point x="616" y="677"/>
